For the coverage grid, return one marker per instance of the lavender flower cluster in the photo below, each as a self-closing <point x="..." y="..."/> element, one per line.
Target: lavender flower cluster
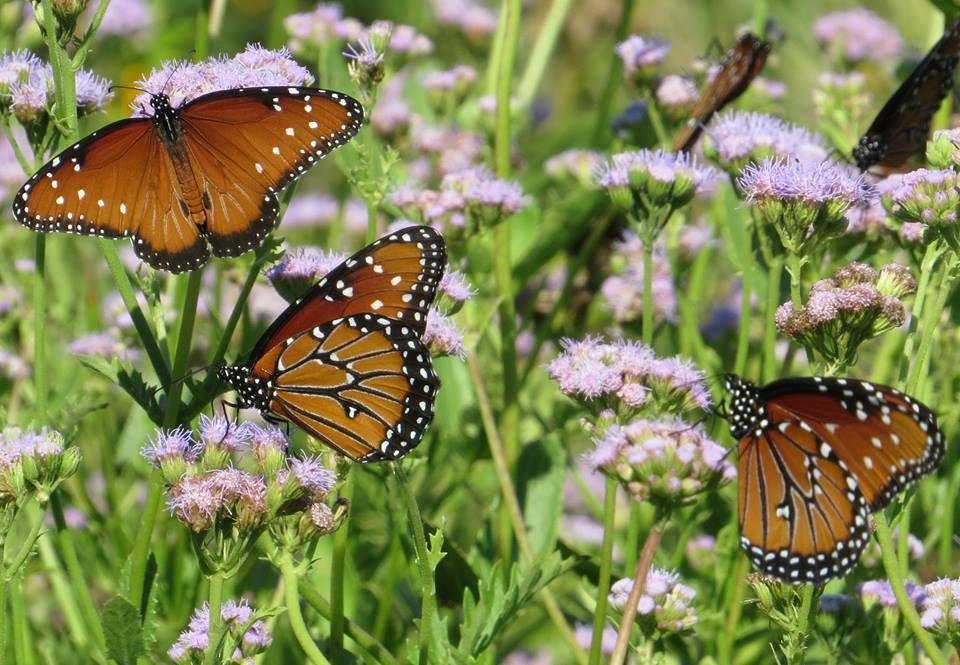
<point x="665" y="605"/>
<point x="193" y="643"/>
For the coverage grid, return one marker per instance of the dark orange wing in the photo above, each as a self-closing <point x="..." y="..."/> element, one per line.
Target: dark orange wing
<point x="802" y="516"/>
<point x="364" y="385"/>
<point x="902" y="126"/>
<point x="739" y="67"/>
<point x="118" y="181"/>
<point x="396" y="277"/>
<point x="245" y="145"/>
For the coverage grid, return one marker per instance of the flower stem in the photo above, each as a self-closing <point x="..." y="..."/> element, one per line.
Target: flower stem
<point x="932" y="311"/>
<point x="12" y="568"/>
<point x="743" y="334"/>
<point x="338" y="571"/>
<point x="647" y="330"/>
<point x="606" y="563"/>
<point x="40" y="325"/>
<point x="931" y="256"/>
<point x="4" y="625"/>
<point x="795" y="268"/>
<point x="907" y="610"/>
<point x="428" y="591"/>
<point x="290" y="581"/>
<point x="630" y="609"/>
<point x="542" y="48"/>
<point x="798" y="652"/>
<point x="216" y="627"/>
<point x="727" y="636"/>
<point x="774" y="274"/>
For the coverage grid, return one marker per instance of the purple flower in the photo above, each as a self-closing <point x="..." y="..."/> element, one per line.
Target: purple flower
<point x="474" y="20"/>
<point x="323" y="25"/>
<point x="222" y="433"/>
<point x="880" y="592"/>
<point x="585" y="368"/>
<point x="243" y="496"/>
<point x="701" y="551"/>
<point x="314" y="479"/>
<point x="194" y="501"/>
<point x="405" y="40"/>
<point x="623" y="291"/>
<point x="735" y="138"/>
<point x="928" y="197"/>
<point x="772" y="90"/>
<point x="665" y="604"/>
<point x="170" y="444"/>
<point x="665" y="462"/>
<point x="457" y="79"/>
<point x="93" y="92"/>
<point x="104" y="345"/>
<point x="300" y="269"/>
<point x="451" y="148"/>
<point x="576" y="164"/>
<point x="125" y="18"/>
<point x="677" y="95"/>
<point x="487" y="197"/>
<point x="256" y="66"/>
<point x="858" y="34"/>
<point x="365" y="63"/>
<point x="641" y="56"/>
<point x="310" y="211"/>
<point x="941" y="607"/>
<point x="454" y="285"/>
<point x="441" y="336"/>
<point x="193" y="641"/>
<point x="583" y="634"/>
<point x="12" y="366"/>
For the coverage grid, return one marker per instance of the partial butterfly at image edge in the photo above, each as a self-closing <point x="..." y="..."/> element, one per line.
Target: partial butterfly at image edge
<point x="345" y="362"/>
<point x="817" y="455"/>
<point x="192" y="180"/>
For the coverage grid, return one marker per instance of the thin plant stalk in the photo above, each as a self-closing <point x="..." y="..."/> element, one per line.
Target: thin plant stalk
<point x="647" y="330"/>
<point x="216" y="628"/>
<point x="774" y="273"/>
<point x="630" y="609"/>
<point x="605" y="103"/>
<point x="4" y="618"/>
<point x="23" y="653"/>
<point x="606" y="563"/>
<point x="932" y="312"/>
<point x="734" y="608"/>
<point x="365" y="640"/>
<point x="807" y="593"/>
<point x="338" y="571"/>
<point x="743" y="333"/>
<point x="541" y="51"/>
<point x="931" y="257"/>
<point x="67" y="603"/>
<point x="291" y="585"/>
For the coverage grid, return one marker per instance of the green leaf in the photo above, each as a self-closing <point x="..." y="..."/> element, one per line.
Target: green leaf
<point x="121" y="628"/>
<point x="542" y="467"/>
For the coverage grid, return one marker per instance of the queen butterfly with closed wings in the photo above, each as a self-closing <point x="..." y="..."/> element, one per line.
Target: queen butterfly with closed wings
<point x="188" y="181"/>
<point x="817" y="455"/>
<point x="346" y="362"/>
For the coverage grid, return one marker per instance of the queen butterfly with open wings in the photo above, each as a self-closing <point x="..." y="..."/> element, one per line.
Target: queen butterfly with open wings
<point x="817" y="455"/>
<point x="346" y="362"/>
<point x="190" y="180"/>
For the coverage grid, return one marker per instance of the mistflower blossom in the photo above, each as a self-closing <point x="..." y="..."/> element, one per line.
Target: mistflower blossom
<point x="104" y="345"/>
<point x="451" y="148"/>
<point x="769" y="88"/>
<point x="943" y="150"/>
<point x="928" y="197"/>
<point x="941" y="608"/>
<point x="583" y="634"/>
<point x="623" y="290"/>
<point x="300" y="269"/>
<point x="171" y="451"/>
<point x="677" y="95"/>
<point x="26" y="88"/>
<point x="365" y="63"/>
<point x="840" y="96"/>
<point x="488" y="199"/>
<point x="665" y="462"/>
<point x="627" y="371"/>
<point x="666" y="603"/>
<point x="405" y="40"/>
<point x="869" y="217"/>
<point x="841" y="313"/>
<point x="476" y="21"/>
<point x="654" y="182"/>
<point x="577" y="164"/>
<point x="872" y="557"/>
<point x="641" y="56"/>
<point x="858" y="34"/>
<point x="34" y="461"/>
<point x="454" y="285"/>
<point x="223" y="433"/>
<point x="310" y="210"/>
<point x="256" y="66"/>
<point x="313" y="478"/>
<point x="701" y="551"/>
<point x="442" y="336"/>
<point x="446" y="89"/>
<point x="193" y="642"/>
<point x="734" y="139"/>
<point x="803" y="201"/>
<point x="124" y="18"/>
<point x="12" y="366"/>
<point x="879" y="592"/>
<point x="325" y="24"/>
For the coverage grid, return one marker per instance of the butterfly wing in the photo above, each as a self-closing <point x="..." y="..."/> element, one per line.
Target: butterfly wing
<point x="364" y="385"/>
<point x="901" y="127"/>
<point x="395" y="277"/>
<point x="245" y="145"/>
<point x="116" y="182"/>
<point x="740" y="66"/>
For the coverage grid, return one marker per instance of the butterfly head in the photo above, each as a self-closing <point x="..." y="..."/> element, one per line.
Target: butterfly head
<point x="746" y="409"/>
<point x="252" y="391"/>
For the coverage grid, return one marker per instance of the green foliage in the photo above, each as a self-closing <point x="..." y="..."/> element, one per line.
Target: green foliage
<point x="121" y="627"/>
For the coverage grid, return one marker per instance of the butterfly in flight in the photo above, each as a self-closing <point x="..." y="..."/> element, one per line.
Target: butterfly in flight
<point x="817" y="455"/>
<point x="902" y="126"/>
<point x="346" y="362"/>
<point x="739" y="67"/>
<point x="188" y="181"/>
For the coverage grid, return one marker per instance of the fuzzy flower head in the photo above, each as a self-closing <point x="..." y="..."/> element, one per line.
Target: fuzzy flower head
<point x="665" y="605"/>
<point x="487" y="200"/>
<point x="629" y="374"/>
<point x="476" y="21"/>
<point x="736" y="138"/>
<point x="653" y="183"/>
<point x="943" y="150"/>
<point x="576" y="165"/>
<point x="641" y="57"/>
<point x="365" y="64"/>
<point x="300" y="269"/>
<point x="928" y="197"/>
<point x="442" y="336"/>
<point x="665" y="462"/>
<point x="623" y="290"/>
<point x="171" y="451"/>
<point x="256" y="66"/>
<point x="941" y="609"/>
<point x="856" y="35"/>
<point x="804" y="202"/>
<point x="35" y="462"/>
<point x="841" y="313"/>
<point x="880" y="593"/>
<point x="193" y="642"/>
<point x="677" y="95"/>
<point x="447" y="89"/>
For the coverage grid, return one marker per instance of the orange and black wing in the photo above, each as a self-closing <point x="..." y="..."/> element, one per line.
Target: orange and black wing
<point x="396" y="277"/>
<point x="363" y="385"/>
<point x="902" y="126"/>
<point x="247" y="144"/>
<point x="739" y="67"/>
<point x="119" y="181"/>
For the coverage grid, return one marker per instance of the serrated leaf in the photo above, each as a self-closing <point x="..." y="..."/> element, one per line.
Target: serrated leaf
<point x="121" y="628"/>
<point x="543" y="468"/>
<point x="142" y="392"/>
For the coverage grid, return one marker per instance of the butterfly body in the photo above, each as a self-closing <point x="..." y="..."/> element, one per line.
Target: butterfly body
<point x="193" y="180"/>
<point x="817" y="455"/>
<point x="346" y="362"/>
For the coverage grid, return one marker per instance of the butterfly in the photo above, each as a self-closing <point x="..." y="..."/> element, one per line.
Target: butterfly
<point x="739" y="67"/>
<point x="346" y="362"/>
<point x="188" y="181"/>
<point x="901" y="127"/>
<point x="817" y="455"/>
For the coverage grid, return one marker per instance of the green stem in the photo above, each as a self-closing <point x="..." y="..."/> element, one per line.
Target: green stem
<point x="931" y="256"/>
<point x="606" y="563"/>
<point x="40" y="325"/>
<point x="67" y="605"/>
<point x="726" y="638"/>
<point x="216" y="627"/>
<point x="630" y="609"/>
<point x="428" y="590"/>
<point x="80" y="55"/>
<point x="141" y="544"/>
<point x="542" y="48"/>
<point x="931" y="316"/>
<point x="945" y="524"/>
<point x="799" y="651"/>
<point x="12" y="568"/>
<point x="907" y="610"/>
<point x="338" y="571"/>
<point x="653" y="113"/>
<point x="647" y="330"/>
<point x="368" y="642"/>
<point x="78" y="583"/>
<point x="4" y="624"/>
<point x="774" y="273"/>
<point x="795" y="268"/>
<point x="604" y="104"/>
<point x="23" y="654"/>
<point x="290" y="581"/>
